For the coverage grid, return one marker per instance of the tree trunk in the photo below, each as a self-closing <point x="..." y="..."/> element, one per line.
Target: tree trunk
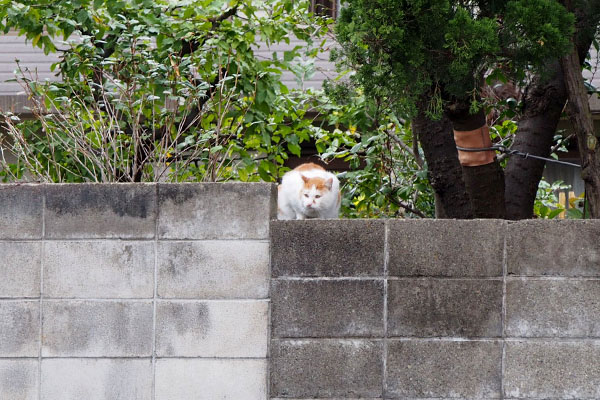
<point x="444" y="170"/>
<point x="581" y="118"/>
<point x="482" y="174"/>
<point x="542" y="107"/>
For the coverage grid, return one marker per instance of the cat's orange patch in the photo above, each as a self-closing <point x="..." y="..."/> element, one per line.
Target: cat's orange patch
<point x="308" y="167"/>
<point x="318" y="183"/>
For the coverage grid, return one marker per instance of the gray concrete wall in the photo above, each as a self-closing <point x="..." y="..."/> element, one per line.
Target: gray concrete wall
<point x="163" y="291"/>
<point x="134" y="291"/>
<point x="435" y="309"/>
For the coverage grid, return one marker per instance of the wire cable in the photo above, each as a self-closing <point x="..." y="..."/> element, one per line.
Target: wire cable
<point x="510" y="152"/>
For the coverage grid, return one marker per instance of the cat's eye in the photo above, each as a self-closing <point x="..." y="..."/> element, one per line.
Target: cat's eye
<point x="305" y="195"/>
<point x="317" y="196"/>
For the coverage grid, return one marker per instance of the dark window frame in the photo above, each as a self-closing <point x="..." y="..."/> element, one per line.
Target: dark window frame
<point x="326" y="8"/>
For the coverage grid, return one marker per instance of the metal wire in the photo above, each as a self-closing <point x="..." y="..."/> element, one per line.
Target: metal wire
<point x="510" y="152"/>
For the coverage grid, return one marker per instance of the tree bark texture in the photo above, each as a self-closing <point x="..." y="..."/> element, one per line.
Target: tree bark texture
<point x="542" y="107"/>
<point x="543" y="103"/>
<point x="444" y="170"/>
<point x="484" y="183"/>
<point x="581" y="118"/>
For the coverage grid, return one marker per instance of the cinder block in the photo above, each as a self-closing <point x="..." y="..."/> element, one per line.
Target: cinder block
<point x="319" y="248"/>
<point x="85" y="211"/>
<point x="99" y="269"/>
<point x="216" y="210"/>
<point x="326" y="368"/>
<point x="327" y="308"/>
<point x="553" y="247"/>
<point x="97" y="328"/>
<point x="219" y="269"/>
<point x="20" y="269"/>
<point x="19" y="379"/>
<point x="444" y="369"/>
<point x="96" y="379"/>
<point x="206" y="379"/>
<point x="457" y="248"/>
<point x="552" y="370"/>
<point x="442" y="307"/>
<point x="19" y="328"/>
<point x="21" y="210"/>
<point x="212" y="329"/>
<point x="553" y="308"/>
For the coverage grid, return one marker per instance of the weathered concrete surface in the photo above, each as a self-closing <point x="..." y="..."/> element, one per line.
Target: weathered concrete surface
<point x="106" y="269"/>
<point x="215" y="210"/>
<point x="108" y="328"/>
<point x="104" y="279"/>
<point x="212" y="328"/>
<point x="326" y="368"/>
<point x="441" y="307"/>
<point x="214" y="269"/>
<point x="327" y="248"/>
<point x="96" y="379"/>
<point x="440" y="368"/>
<point x="553" y="370"/>
<point x="85" y="211"/>
<point x="19" y="379"/>
<point x="211" y="379"/>
<point x="553" y="308"/>
<point x="19" y="328"/>
<point x="324" y="308"/>
<point x="20" y="269"/>
<point x="450" y="248"/>
<point x="21" y="211"/>
<point x="564" y="248"/>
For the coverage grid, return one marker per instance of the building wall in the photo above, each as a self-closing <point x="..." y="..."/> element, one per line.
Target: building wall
<point x="134" y="291"/>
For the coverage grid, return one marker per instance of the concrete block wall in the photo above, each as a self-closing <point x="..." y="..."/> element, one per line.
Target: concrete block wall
<point x="159" y="291"/>
<point x="435" y="309"/>
<point x="133" y="292"/>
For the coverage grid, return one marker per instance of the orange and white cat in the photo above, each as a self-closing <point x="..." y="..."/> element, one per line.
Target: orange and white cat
<point x="308" y="191"/>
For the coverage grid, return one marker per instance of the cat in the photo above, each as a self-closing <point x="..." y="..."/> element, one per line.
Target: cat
<point x="308" y="191"/>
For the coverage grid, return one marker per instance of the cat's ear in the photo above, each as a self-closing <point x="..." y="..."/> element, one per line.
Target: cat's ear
<point x="329" y="183"/>
<point x="305" y="179"/>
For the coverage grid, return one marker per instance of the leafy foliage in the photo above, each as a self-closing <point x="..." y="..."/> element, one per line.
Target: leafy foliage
<point x="402" y="50"/>
<point x="161" y="90"/>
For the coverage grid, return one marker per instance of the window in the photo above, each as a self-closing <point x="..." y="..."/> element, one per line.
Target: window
<point x="326" y="8"/>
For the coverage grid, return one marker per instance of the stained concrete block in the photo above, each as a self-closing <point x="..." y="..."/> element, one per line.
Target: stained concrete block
<point x="20" y="269"/>
<point x="327" y="308"/>
<point x="449" y="248"/>
<point x="96" y="379"/>
<point x="220" y="269"/>
<point x="216" y="210"/>
<point x="327" y="248"/>
<point x="97" y="328"/>
<point x="85" y="211"/>
<point x="553" y="247"/>
<point x="21" y="211"/>
<point x="99" y="269"/>
<point x="552" y="370"/>
<point x="444" y="369"/>
<point x="326" y="368"/>
<point x="553" y="308"/>
<point x="210" y="379"/>
<point x="19" y="328"/>
<point x="212" y="329"/>
<point x="19" y="379"/>
<point x="442" y="307"/>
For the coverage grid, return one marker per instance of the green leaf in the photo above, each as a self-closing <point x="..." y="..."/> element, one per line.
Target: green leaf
<point x="294" y="149"/>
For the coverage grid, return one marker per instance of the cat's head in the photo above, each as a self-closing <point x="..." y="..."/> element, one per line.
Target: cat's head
<point x="315" y="194"/>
